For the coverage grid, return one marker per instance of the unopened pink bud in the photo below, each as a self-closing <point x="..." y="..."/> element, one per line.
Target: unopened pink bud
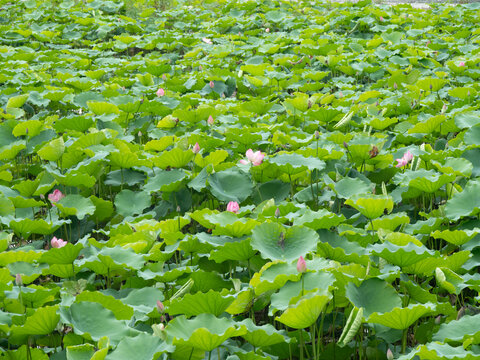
<point x="160" y="92"/>
<point x="196" y="148"/>
<point x="210" y="120"/>
<point x="211" y="83"/>
<point x="160" y="307"/>
<point x="301" y="265"/>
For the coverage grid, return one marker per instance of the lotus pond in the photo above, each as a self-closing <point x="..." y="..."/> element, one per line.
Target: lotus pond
<point x="239" y="180"/>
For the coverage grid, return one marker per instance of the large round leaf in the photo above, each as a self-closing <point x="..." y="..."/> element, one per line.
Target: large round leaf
<point x="204" y="332"/>
<point x="373" y="295"/>
<point x="466" y="203"/>
<point x="276" y="242"/>
<point x="129" y="203"/>
<point x="143" y="346"/>
<point x="401" y="318"/>
<point x="230" y="185"/>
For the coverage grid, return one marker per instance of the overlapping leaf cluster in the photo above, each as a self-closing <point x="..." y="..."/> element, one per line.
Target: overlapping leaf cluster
<point x="332" y="94"/>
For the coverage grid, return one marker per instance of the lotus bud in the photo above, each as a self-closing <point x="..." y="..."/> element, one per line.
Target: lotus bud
<point x="444" y="109"/>
<point x="160" y="92"/>
<point x="139" y="134"/>
<point x="345" y="145"/>
<point x="438" y="319"/>
<point x="461" y="63"/>
<point x="164" y="77"/>
<point x="196" y="148"/>
<point x="317" y="135"/>
<point x="301" y="265"/>
<point x="233" y="206"/>
<point x="26" y="131"/>
<point x="277" y="213"/>
<point x="389" y="354"/>
<point x="160" y="307"/>
<point x="200" y="68"/>
<point x="395" y="86"/>
<point x="210" y="120"/>
<point x="18" y="280"/>
<point x="381" y="18"/>
<point x="267" y="30"/>
<point x="431" y="87"/>
<point x="179" y="208"/>
<point x="211" y="84"/>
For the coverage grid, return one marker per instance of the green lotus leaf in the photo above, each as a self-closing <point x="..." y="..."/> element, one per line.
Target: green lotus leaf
<point x="322" y="219"/>
<point x="205" y="332"/>
<point x="403" y="255"/>
<point x="76" y="205"/>
<point x="428" y="126"/>
<point x="191" y="244"/>
<point x="265" y="335"/>
<point x="431" y="84"/>
<point x="273" y="275"/>
<point x="190" y="305"/>
<point x="401" y="318"/>
<point x="165" y="181"/>
<point x="371" y="206"/>
<point x="24" y="353"/>
<point x="120" y="257"/>
<point x="457" y="331"/>
<point x="456" y="237"/>
<point x="275" y="189"/>
<point x="227" y="223"/>
<point x="239" y="250"/>
<point x="17" y="101"/>
<point x="214" y="158"/>
<point x="75" y="179"/>
<point x="159" y="144"/>
<point x="338" y="248"/>
<point x="373" y="295"/>
<point x="103" y="209"/>
<point x="34" y="295"/>
<point x="465" y="203"/>
<point x="430" y="182"/>
<point x="456" y="166"/>
<point x="256" y="106"/>
<point x="295" y="163"/>
<point x="80" y="352"/>
<point x="230" y="185"/>
<point x="26" y="227"/>
<point x="42" y="322"/>
<point x="102" y="107"/>
<point x="348" y="187"/>
<point x="64" y="255"/>
<point x="175" y="158"/>
<point x="143" y="346"/>
<point x="389" y="222"/>
<point x="83" y="84"/>
<point x="53" y="150"/>
<point x="6" y="206"/>
<point x="276" y="242"/>
<point x="427" y="266"/>
<point x="449" y="280"/>
<point x="437" y="351"/>
<point x="467" y="119"/>
<point x="129" y="203"/>
<point x="124" y="159"/>
<point x="31" y="128"/>
<point x="320" y="280"/>
<point x="143" y="300"/>
<point x="472" y="135"/>
<point x="119" y="309"/>
<point x="92" y="321"/>
<point x="242" y="303"/>
<point x="306" y="310"/>
<point x="10" y="151"/>
<point x="354" y="321"/>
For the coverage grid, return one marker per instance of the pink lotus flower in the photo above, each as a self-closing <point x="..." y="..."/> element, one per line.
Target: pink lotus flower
<point x="461" y="63"/>
<point x="301" y="265"/>
<point x="233" y="207"/>
<point x="55" y="196"/>
<point x="196" y="148"/>
<point x="405" y="159"/>
<point x="256" y="158"/>
<point x="267" y="30"/>
<point x="160" y="92"/>
<point x="211" y="84"/>
<point x="58" y="243"/>
<point x="207" y="41"/>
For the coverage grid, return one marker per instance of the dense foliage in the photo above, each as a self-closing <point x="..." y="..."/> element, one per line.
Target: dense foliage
<point x="239" y="180"/>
